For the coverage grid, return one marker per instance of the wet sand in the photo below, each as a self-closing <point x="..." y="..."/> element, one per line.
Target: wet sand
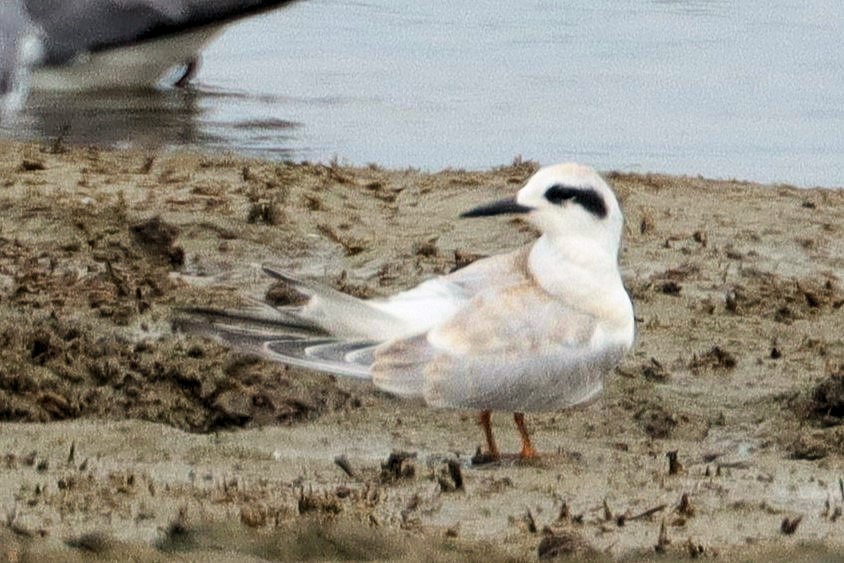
<point x="122" y="438"/>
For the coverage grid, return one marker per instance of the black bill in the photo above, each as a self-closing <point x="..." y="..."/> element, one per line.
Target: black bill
<point x="508" y="205"/>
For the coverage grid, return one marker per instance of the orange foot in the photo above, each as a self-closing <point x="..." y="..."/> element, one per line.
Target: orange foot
<point x="528" y="452"/>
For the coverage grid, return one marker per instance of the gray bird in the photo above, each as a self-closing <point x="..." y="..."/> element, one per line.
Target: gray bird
<point x="108" y="44"/>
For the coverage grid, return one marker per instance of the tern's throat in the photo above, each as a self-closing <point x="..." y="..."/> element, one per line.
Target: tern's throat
<point x="582" y="273"/>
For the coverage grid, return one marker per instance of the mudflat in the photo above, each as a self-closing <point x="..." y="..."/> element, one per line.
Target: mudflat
<point x="722" y="433"/>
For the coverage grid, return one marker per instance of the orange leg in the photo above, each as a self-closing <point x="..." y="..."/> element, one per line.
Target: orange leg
<point x="484" y="421"/>
<point x="527" y="451"/>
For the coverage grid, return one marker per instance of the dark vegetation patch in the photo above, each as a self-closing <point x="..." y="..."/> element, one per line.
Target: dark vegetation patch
<point x="652" y="370"/>
<point x="825" y="401"/>
<point x="822" y="406"/>
<point x="399" y="465"/>
<point x="52" y="369"/>
<point x="656" y="421"/>
<point x="783" y="300"/>
<point x="79" y="317"/>
<point x="809" y="447"/>
<point x="158" y="237"/>
<point x="715" y="359"/>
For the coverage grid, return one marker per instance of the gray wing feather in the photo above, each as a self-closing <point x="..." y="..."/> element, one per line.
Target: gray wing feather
<point x="72" y="27"/>
<point x="343" y="315"/>
<point x="339" y="357"/>
<point x="542" y="361"/>
<point x="557" y="379"/>
<point x="502" y="269"/>
<point x="399" y="367"/>
<point x="273" y="340"/>
<point x="258" y="316"/>
<point x="309" y="287"/>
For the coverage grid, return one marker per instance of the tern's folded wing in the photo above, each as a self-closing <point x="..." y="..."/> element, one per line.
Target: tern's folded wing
<point x="501" y="270"/>
<point x="437" y="300"/>
<point x="514" y="348"/>
<point x="288" y="345"/>
<point x="410" y="312"/>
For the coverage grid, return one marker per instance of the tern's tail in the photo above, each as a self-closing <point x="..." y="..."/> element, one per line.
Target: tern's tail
<point x="279" y="335"/>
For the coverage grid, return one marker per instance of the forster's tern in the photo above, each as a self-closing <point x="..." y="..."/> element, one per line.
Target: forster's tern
<point x="106" y="44"/>
<point x="536" y="329"/>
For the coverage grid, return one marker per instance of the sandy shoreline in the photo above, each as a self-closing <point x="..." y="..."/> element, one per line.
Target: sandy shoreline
<point x="181" y="448"/>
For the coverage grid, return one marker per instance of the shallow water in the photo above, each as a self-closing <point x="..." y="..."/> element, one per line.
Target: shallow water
<point x="751" y="90"/>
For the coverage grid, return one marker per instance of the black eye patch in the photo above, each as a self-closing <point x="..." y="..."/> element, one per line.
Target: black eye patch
<point x="590" y="199"/>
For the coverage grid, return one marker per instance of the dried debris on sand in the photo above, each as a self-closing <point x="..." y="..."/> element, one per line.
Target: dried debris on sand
<point x="123" y="438"/>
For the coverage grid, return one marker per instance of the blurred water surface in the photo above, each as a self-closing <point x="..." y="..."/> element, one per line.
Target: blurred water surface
<point x="751" y="89"/>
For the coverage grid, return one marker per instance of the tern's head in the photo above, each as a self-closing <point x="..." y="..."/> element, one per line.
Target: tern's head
<point x="565" y="201"/>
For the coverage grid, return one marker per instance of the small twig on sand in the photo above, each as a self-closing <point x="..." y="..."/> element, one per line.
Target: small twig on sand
<point x="623" y="518"/>
<point x="648" y="512"/>
<point x="343" y="463"/>
<point x="662" y="541"/>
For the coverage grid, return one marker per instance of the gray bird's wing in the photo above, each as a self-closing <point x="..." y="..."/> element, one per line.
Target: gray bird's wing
<point x="74" y="27"/>
<point x="511" y="348"/>
<point x="279" y="335"/>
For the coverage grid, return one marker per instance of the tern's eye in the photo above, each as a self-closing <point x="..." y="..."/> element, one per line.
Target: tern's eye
<point x="558" y="193"/>
<point x="590" y="199"/>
